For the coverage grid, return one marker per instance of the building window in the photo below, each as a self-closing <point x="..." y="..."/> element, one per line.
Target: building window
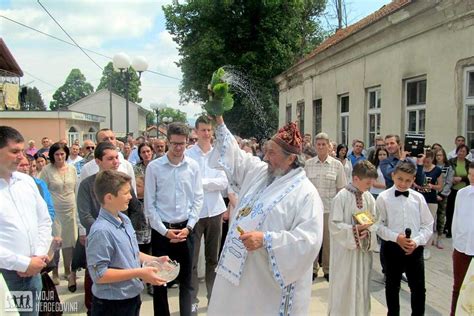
<point x="374" y="100"/>
<point x="344" y="119"/>
<point x="72" y="135"/>
<point x="300" y="115"/>
<point x="317" y="116"/>
<point x="415" y="92"/>
<point x="288" y="113"/>
<point x="90" y="135"/>
<point x="469" y="107"/>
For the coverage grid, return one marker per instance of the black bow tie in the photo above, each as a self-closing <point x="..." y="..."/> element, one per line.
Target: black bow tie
<point x="398" y="193"/>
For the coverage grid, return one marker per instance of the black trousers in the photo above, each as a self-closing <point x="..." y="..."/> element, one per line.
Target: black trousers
<point x="128" y="307"/>
<point x="397" y="262"/>
<point x="450" y="210"/>
<point x="181" y="252"/>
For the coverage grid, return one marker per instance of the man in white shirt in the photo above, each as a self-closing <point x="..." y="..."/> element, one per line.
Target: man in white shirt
<point x="210" y="217"/>
<point x="74" y="154"/>
<point x="90" y="168"/>
<point x="25" y="234"/>
<point x="458" y="141"/>
<point x="173" y="200"/>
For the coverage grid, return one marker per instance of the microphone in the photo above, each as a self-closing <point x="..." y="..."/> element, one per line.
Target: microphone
<point x="407" y="233"/>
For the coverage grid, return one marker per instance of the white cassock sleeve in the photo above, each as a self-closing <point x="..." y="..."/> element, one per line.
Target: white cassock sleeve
<point x="292" y="252"/>
<point x="341" y="232"/>
<point x="228" y="156"/>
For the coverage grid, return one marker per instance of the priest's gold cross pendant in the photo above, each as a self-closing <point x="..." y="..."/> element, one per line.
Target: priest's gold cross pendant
<point x="245" y="211"/>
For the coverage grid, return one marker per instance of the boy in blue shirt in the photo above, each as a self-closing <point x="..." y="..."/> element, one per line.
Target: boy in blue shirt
<point x="113" y="258"/>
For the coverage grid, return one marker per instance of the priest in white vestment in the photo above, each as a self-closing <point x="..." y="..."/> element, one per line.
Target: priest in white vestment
<point x="353" y="238"/>
<point x="266" y="263"/>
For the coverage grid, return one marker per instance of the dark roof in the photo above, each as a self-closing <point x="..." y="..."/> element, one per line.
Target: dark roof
<point x="344" y="33"/>
<point x="7" y="62"/>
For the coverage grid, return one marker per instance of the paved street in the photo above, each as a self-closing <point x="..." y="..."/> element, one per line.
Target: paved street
<point x="438" y="288"/>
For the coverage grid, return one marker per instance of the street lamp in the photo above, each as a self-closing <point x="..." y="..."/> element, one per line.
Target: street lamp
<point x="121" y="61"/>
<point x="167" y="120"/>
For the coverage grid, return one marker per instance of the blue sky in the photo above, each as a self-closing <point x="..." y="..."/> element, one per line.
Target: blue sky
<point x="136" y="27"/>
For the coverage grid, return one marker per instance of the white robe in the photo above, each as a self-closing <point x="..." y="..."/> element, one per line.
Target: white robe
<point x="349" y="291"/>
<point x="277" y="278"/>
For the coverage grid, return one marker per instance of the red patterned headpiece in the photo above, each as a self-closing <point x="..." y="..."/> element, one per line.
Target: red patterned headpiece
<point x="289" y="138"/>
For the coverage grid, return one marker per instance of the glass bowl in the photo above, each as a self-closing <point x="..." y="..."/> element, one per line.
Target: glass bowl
<point x="167" y="271"/>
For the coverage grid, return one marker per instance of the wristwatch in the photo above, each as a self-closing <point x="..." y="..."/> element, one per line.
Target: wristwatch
<point x="190" y="229"/>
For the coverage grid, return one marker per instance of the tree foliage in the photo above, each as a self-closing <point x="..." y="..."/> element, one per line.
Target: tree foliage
<point x="150" y="119"/>
<point x="262" y="38"/>
<point x="176" y="115"/>
<point x="33" y="100"/>
<point x="118" y="83"/>
<point x="74" y="88"/>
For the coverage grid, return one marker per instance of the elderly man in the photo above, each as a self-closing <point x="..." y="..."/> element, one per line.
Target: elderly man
<point x="327" y="175"/>
<point x="25" y="233"/>
<point x="87" y="153"/>
<point x="276" y="232"/>
<point x="159" y="147"/>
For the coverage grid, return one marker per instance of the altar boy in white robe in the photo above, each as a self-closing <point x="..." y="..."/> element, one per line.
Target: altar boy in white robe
<point x="353" y="238"/>
<point x="266" y="264"/>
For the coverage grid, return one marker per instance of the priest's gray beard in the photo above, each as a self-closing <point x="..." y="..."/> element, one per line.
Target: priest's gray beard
<point x="272" y="174"/>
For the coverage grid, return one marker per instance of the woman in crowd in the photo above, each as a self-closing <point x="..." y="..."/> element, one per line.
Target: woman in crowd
<point x="41" y="161"/>
<point x="146" y="154"/>
<point x="61" y="179"/>
<point x="341" y="154"/>
<point x="433" y="184"/>
<point x="379" y="184"/>
<point x="460" y="166"/>
<point x="442" y="197"/>
<point x="435" y="147"/>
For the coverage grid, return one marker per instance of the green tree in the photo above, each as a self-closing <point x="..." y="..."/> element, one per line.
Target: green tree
<point x="74" y="88"/>
<point x="33" y="100"/>
<point x="150" y="119"/>
<point x="263" y="38"/>
<point x="118" y="83"/>
<point x="176" y="115"/>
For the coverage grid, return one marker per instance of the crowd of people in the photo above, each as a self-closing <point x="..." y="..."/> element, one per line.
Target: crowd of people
<point x="269" y="216"/>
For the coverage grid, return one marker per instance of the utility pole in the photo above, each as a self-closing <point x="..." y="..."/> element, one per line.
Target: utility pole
<point x="339" y="14"/>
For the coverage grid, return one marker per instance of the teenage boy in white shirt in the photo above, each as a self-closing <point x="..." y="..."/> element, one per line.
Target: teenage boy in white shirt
<point x="406" y="224"/>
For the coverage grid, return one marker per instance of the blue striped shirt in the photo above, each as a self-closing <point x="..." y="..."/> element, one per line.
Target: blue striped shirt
<point x="112" y="243"/>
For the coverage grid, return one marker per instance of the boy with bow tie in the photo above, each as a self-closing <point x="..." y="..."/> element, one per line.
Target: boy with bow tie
<point x="406" y="224"/>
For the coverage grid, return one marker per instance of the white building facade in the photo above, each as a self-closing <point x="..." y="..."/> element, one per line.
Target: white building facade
<point x="406" y="69"/>
<point x="98" y="103"/>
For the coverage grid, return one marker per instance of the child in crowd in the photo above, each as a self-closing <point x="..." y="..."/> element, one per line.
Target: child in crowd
<point x="352" y="240"/>
<point x="113" y="256"/>
<point x="463" y="235"/>
<point x="406" y="224"/>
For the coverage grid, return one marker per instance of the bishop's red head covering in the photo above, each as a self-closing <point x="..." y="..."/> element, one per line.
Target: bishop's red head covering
<point x="289" y="138"/>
